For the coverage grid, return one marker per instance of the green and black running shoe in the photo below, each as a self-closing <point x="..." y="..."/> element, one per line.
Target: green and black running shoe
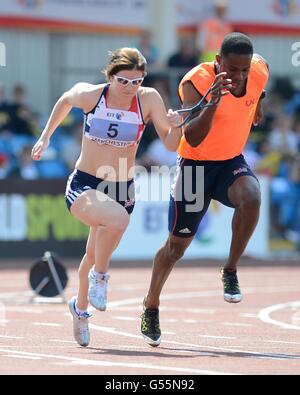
<point x="150" y="328"/>
<point x="232" y="292"/>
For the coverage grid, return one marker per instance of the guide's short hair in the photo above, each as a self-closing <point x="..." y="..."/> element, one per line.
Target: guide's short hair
<point x="237" y="43"/>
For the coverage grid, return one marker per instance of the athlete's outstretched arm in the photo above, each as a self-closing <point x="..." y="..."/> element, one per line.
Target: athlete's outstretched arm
<point x="75" y="97"/>
<point x="166" y="124"/>
<point x="198" y="128"/>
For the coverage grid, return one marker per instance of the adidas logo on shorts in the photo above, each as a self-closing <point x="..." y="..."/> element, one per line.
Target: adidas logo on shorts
<point x="185" y="231"/>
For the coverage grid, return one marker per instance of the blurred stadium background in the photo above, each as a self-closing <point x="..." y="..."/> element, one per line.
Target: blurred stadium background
<point x="47" y="46"/>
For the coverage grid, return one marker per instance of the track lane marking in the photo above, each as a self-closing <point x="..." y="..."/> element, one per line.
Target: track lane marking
<point x="88" y="362"/>
<point x="264" y="315"/>
<point x="197" y="346"/>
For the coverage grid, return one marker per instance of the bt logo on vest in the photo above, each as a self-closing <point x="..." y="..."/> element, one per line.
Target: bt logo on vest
<point x="120" y="115"/>
<point x="111" y="115"/>
<point x="117" y="116"/>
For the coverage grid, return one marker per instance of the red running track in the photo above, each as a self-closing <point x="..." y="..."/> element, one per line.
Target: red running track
<point x="201" y="333"/>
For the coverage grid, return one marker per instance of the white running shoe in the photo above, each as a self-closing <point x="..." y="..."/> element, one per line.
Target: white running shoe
<point x="98" y="289"/>
<point x="80" y="324"/>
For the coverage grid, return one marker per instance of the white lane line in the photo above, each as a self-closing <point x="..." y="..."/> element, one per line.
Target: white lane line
<point x="265" y="314"/>
<point x="8" y="346"/>
<point x="138" y="319"/>
<point x="22" y="357"/>
<point x="126" y="318"/>
<point x="62" y="341"/>
<point x="187" y="310"/>
<point x="184" y="295"/>
<point x="200" y="346"/>
<point x="13" y="295"/>
<point x="88" y="362"/>
<point x="118" y="346"/>
<point x="199" y="311"/>
<point x="248" y="315"/>
<point x="164" y="309"/>
<point x="201" y="294"/>
<point x="113" y="331"/>
<point x="281" y="342"/>
<point x="236" y="324"/>
<point x="295" y="318"/>
<point x="11" y="337"/>
<point x="218" y="337"/>
<point x="24" y="310"/>
<point x="191" y="321"/>
<point x="131" y="308"/>
<point x="53" y="325"/>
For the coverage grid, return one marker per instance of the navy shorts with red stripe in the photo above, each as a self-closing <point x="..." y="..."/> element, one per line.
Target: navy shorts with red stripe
<point x="196" y="184"/>
<point x="80" y="182"/>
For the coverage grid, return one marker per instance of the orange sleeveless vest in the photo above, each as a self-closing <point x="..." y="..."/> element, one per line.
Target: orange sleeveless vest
<point x="233" y="118"/>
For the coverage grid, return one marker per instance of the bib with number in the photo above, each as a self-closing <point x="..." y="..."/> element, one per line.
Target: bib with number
<point x="117" y="128"/>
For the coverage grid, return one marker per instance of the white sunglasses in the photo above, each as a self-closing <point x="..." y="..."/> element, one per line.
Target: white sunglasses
<point x="125" y="81"/>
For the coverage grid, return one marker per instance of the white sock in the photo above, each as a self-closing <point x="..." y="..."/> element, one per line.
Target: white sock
<point x="78" y="311"/>
<point x="101" y="275"/>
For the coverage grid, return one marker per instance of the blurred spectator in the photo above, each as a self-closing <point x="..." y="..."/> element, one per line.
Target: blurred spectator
<point x="283" y="138"/>
<point x="27" y="167"/>
<point x="251" y="155"/>
<point x="272" y="108"/>
<point x="211" y="32"/>
<point x="52" y="166"/>
<point x="2" y="95"/>
<point x="161" y="84"/>
<point x="269" y="161"/>
<point x="186" y="56"/>
<point x="180" y="63"/>
<point x="283" y="87"/>
<point x="4" y="112"/>
<point x="285" y="194"/>
<point x="293" y="105"/>
<point x="22" y="118"/>
<point x="297" y="131"/>
<point x="295" y="176"/>
<point x="4" y="166"/>
<point x="147" y="48"/>
<point x="35" y="124"/>
<point x="71" y="146"/>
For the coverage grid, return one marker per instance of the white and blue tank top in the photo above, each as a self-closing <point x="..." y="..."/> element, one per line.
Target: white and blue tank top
<point x="116" y="128"/>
